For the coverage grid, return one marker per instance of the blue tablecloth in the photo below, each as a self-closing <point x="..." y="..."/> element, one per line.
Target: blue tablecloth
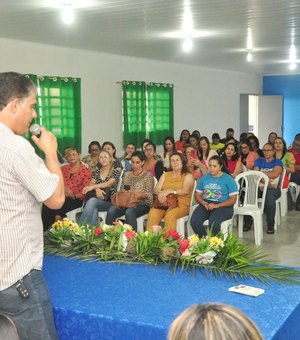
<point x="96" y="300"/>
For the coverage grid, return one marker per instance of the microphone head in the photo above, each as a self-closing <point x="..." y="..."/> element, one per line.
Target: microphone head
<point x="35" y="130"/>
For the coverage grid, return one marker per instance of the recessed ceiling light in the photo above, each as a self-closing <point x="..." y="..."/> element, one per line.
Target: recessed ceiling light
<point x="292" y="66"/>
<point x="187" y="45"/>
<point x="249" y="57"/>
<point x="68" y="15"/>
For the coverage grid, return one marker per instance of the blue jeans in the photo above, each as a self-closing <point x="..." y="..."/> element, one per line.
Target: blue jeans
<point x="33" y="316"/>
<point x="130" y="214"/>
<point x="270" y="205"/>
<point x="215" y="217"/>
<point x="91" y="209"/>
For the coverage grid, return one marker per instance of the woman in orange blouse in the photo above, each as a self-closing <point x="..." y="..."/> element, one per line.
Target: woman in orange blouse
<point x="76" y="177"/>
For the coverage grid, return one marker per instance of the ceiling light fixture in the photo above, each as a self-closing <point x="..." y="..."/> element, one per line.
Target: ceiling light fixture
<point x="187" y="44"/>
<point x="187" y="27"/>
<point x="293" y="58"/>
<point x="67" y="15"/>
<point x="249" y="57"/>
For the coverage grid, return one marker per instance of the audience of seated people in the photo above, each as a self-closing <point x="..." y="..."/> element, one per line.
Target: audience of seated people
<point x="204" y="150"/>
<point x="216" y="143"/>
<point x="248" y="156"/>
<point x="126" y="159"/>
<point x="169" y="148"/>
<point x="175" y="172"/>
<point x="295" y="177"/>
<point x="142" y="183"/>
<point x="152" y="164"/>
<point x="92" y="159"/>
<point x="231" y="159"/>
<point x="216" y="194"/>
<point x="272" y="136"/>
<point x="99" y="191"/>
<point x="287" y="158"/>
<point x="76" y="177"/>
<point x="272" y="167"/>
<point x="177" y="181"/>
<point x="109" y="147"/>
<point x="184" y="139"/>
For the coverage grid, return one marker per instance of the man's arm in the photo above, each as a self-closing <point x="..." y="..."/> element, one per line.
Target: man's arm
<point x="48" y="144"/>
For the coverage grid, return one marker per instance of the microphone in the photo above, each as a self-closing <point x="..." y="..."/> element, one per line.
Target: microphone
<point x="35" y="130"/>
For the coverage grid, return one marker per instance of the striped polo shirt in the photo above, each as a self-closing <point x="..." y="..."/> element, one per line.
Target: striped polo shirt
<point x="25" y="183"/>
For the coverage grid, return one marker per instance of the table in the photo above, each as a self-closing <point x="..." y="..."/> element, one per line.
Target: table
<point x="96" y="300"/>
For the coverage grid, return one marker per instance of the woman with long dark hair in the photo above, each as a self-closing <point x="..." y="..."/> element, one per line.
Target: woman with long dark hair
<point x="169" y="148"/>
<point x="231" y="159"/>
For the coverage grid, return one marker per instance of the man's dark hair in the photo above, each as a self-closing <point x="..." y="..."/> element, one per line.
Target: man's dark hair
<point x="14" y="85"/>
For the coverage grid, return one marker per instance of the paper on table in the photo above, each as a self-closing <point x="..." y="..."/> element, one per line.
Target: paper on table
<point x="247" y="290"/>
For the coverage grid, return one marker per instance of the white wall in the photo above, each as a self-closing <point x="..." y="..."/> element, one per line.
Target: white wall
<point x="204" y="99"/>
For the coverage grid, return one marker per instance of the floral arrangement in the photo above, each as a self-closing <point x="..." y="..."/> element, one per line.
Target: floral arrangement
<point x="120" y="243"/>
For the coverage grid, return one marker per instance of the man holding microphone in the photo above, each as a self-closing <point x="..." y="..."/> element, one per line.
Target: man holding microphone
<point x="25" y="182"/>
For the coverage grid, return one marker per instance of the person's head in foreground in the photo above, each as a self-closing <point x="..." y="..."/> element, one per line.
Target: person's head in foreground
<point x="213" y="321"/>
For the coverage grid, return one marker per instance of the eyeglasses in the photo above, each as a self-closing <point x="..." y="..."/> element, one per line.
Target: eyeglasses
<point x="268" y="150"/>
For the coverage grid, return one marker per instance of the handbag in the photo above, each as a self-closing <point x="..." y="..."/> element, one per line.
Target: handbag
<point x="125" y="199"/>
<point x="92" y="193"/>
<point x="170" y="203"/>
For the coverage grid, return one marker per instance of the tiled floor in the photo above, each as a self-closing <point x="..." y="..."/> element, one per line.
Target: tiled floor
<point x="284" y="246"/>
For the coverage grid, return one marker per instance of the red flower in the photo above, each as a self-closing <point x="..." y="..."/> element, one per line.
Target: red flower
<point x="130" y="234"/>
<point x="171" y="233"/>
<point x="183" y="245"/>
<point x="98" y="231"/>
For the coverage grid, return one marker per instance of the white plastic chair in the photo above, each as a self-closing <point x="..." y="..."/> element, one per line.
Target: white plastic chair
<point x="249" y="183"/>
<point x="281" y="201"/>
<point x="71" y="215"/>
<point x="183" y="221"/>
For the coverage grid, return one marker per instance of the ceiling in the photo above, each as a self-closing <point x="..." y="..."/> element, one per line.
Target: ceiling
<point x="153" y="29"/>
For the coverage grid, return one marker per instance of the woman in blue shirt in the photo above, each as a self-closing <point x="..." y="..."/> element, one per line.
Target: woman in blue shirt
<point x="216" y="194"/>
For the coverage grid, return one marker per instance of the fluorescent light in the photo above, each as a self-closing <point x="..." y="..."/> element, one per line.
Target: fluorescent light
<point x="187" y="45"/>
<point x="292" y="66"/>
<point x="249" y="57"/>
<point x="68" y="15"/>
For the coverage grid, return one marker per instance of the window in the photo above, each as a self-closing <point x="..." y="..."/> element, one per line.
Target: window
<point x="147" y="111"/>
<point x="59" y="108"/>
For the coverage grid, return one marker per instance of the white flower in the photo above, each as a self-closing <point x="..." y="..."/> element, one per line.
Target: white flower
<point x="124" y="241"/>
<point x="127" y="227"/>
<point x="186" y="253"/>
<point x="206" y="258"/>
<point x="106" y="227"/>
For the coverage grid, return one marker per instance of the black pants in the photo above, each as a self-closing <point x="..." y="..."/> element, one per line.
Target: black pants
<point x="48" y="215"/>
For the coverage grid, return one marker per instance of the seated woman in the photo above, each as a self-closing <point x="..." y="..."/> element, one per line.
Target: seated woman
<point x="178" y="181"/>
<point x="254" y="142"/>
<point x="196" y="167"/>
<point x="109" y="147"/>
<point x="272" y="167"/>
<point x="169" y="148"/>
<point x="103" y="186"/>
<point x="184" y="139"/>
<point x="248" y="156"/>
<point x="126" y="159"/>
<point x="194" y="141"/>
<point x="152" y="164"/>
<point x="272" y="136"/>
<point x="92" y="159"/>
<point x="139" y="181"/>
<point x="76" y="177"/>
<point x="286" y="157"/>
<point x="232" y="160"/>
<point x="204" y="150"/>
<point x="216" y="194"/>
